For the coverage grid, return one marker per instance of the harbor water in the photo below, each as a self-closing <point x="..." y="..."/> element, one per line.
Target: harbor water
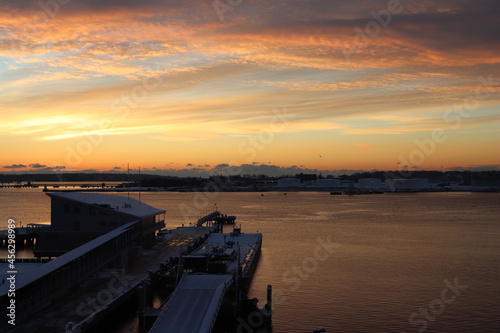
<point x="405" y="262"/>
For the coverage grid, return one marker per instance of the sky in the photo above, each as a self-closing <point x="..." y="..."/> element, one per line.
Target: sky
<point x="194" y="87"/>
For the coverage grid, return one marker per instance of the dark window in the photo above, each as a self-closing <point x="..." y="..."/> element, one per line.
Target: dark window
<point x="66" y="208"/>
<point x="76" y="210"/>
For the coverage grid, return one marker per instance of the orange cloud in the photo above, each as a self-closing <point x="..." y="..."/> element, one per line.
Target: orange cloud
<point x="221" y="79"/>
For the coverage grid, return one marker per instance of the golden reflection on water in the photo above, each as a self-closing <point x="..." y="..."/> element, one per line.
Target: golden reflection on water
<point x="393" y="253"/>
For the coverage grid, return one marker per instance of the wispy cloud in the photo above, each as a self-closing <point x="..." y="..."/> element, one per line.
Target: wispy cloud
<point x="221" y="79"/>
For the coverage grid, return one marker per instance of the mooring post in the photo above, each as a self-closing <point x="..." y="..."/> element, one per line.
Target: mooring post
<point x="269" y="304"/>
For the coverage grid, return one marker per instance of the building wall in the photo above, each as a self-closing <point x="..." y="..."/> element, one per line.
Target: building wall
<point x="288" y="182"/>
<point x="370" y="183"/>
<point x="68" y="215"/>
<point x="56" y="243"/>
<point x="489" y="182"/>
<point x="410" y="184"/>
<point x="74" y="223"/>
<point x="347" y="183"/>
<point x="327" y="183"/>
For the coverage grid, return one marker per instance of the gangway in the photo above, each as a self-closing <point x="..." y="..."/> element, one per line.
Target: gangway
<point x="215" y="218"/>
<point x="208" y="218"/>
<point x="194" y="305"/>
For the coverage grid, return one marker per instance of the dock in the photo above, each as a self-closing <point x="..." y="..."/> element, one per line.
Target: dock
<point x="227" y="264"/>
<point x="86" y="282"/>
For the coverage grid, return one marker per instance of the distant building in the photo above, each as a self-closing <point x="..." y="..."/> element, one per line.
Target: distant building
<point x="288" y="182"/>
<point x="370" y="184"/>
<point x="485" y="182"/>
<point x="328" y="183"/>
<point x="347" y="183"/>
<point x="266" y="183"/>
<point x="406" y="184"/>
<point x="78" y="217"/>
<point x="306" y="178"/>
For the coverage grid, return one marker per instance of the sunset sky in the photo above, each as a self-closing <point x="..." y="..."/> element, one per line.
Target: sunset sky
<point x="194" y="86"/>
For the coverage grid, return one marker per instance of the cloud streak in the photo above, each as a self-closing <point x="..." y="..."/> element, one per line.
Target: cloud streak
<point x="220" y="79"/>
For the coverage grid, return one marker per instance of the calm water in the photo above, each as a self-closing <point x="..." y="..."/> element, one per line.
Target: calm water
<point x="385" y="268"/>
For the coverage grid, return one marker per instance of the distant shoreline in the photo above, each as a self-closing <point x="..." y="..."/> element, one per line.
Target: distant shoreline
<point x="332" y="191"/>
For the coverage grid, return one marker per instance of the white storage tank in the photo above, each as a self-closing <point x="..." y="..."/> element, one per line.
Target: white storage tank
<point x="328" y="183"/>
<point x="370" y="183"/>
<point x="288" y="182"/>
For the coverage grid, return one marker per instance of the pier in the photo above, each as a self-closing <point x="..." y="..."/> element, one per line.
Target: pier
<point x="98" y="282"/>
<point x="87" y="274"/>
<point x="90" y="272"/>
<point x="74" y="292"/>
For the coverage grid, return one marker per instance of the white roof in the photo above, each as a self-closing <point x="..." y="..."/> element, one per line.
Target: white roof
<point x="119" y="203"/>
<point x="194" y="305"/>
